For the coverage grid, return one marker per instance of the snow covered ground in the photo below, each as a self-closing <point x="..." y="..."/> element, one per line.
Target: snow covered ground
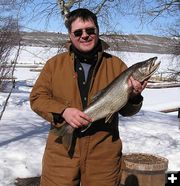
<point x="23" y="133"/>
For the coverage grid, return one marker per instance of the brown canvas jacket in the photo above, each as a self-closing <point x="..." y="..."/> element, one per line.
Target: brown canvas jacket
<point x="56" y="88"/>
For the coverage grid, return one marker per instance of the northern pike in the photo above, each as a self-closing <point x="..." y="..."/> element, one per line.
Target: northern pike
<point x="111" y="99"/>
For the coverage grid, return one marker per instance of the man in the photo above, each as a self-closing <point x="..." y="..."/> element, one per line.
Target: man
<point x="64" y="88"/>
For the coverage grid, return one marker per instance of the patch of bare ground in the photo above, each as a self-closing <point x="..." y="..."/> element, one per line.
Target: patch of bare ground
<point x="32" y="181"/>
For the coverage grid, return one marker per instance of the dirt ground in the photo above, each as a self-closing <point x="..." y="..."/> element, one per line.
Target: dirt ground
<point x="33" y="181"/>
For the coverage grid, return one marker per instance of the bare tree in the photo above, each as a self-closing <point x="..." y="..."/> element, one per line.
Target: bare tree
<point x="106" y="10"/>
<point x="45" y="9"/>
<point x="9" y="38"/>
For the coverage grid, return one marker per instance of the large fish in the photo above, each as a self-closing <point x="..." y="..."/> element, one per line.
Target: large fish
<point x="112" y="98"/>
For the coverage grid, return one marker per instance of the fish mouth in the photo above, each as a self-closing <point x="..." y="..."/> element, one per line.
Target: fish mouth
<point x="153" y="66"/>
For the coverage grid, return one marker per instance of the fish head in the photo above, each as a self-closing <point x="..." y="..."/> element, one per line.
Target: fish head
<point x="144" y="70"/>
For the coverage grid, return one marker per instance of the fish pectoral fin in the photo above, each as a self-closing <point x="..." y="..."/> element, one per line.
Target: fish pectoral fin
<point x="65" y="134"/>
<point x="85" y="128"/>
<point x="109" y="117"/>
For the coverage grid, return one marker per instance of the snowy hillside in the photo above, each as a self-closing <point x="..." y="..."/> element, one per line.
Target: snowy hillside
<point x="130" y="43"/>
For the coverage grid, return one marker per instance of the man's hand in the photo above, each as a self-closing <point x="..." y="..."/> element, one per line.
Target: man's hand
<point x="137" y="87"/>
<point x="75" y="117"/>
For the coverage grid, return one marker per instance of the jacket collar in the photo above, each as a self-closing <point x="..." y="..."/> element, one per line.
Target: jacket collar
<point x="99" y="59"/>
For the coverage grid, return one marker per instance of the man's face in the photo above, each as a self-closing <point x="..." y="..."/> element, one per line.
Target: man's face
<point x="84" y="34"/>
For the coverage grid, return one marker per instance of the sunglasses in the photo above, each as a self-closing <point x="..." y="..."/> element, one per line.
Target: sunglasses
<point x="89" y="31"/>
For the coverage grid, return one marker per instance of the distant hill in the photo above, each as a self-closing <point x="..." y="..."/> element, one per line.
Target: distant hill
<point x="129" y="43"/>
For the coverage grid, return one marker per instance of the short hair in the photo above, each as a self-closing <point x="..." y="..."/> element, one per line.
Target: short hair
<point x="82" y="13"/>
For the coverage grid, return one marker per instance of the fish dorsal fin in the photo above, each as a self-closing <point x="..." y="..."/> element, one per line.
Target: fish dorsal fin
<point x="109" y="117"/>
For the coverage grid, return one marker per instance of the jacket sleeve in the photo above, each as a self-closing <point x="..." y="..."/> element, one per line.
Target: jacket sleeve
<point x="41" y="97"/>
<point x="132" y="107"/>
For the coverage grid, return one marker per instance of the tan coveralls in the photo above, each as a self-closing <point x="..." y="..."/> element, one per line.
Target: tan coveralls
<point x="97" y="155"/>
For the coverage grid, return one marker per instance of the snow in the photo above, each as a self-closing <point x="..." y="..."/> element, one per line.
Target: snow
<point x="161" y="99"/>
<point x="23" y="133"/>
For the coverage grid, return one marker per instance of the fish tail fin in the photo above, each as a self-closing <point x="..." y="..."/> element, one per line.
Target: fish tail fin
<point x="65" y="134"/>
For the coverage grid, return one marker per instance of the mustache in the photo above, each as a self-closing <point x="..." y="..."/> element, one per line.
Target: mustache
<point x="87" y="38"/>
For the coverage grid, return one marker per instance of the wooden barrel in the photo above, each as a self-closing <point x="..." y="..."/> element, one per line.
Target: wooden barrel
<point x="141" y="169"/>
